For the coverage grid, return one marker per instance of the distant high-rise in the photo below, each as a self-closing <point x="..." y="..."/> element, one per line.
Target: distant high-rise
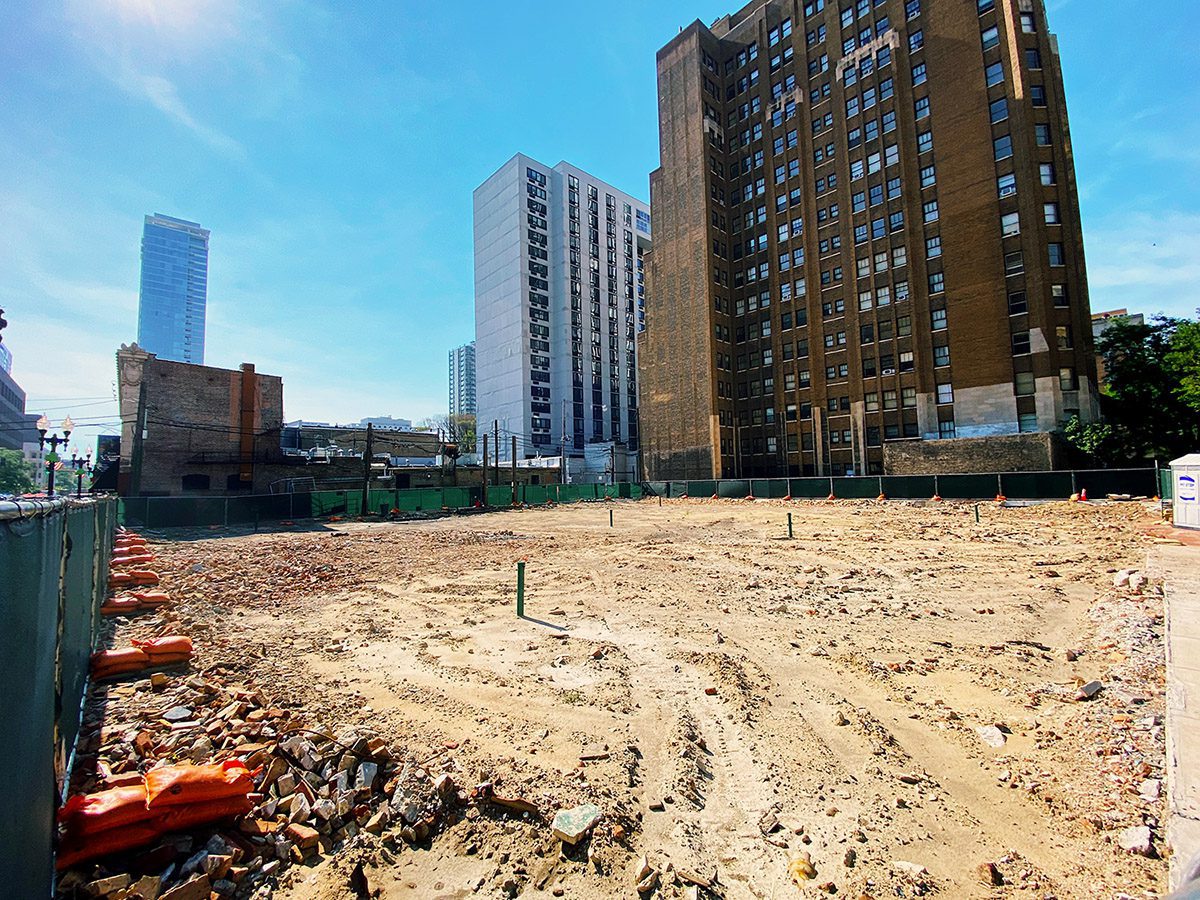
<point x="558" y="290"/>
<point x="174" y="289"/>
<point x="462" y="380"/>
<point x="867" y="235"/>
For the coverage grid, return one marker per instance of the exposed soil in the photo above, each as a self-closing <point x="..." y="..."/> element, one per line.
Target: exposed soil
<point x="744" y="703"/>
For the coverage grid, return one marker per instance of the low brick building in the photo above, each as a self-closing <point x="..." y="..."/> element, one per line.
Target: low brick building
<point x="189" y="429"/>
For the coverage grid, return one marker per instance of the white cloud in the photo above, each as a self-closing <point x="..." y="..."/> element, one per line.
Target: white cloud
<point x="164" y="96"/>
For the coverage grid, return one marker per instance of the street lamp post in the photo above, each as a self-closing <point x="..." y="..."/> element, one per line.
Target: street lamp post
<point x="82" y="466"/>
<point x="43" y="425"/>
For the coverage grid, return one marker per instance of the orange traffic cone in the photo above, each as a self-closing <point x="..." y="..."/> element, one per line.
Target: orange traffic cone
<point x="715" y="497"/>
<point x="1083" y="495"/>
<point x="831" y="496"/>
<point x="935" y="498"/>
<point x="1000" y="498"/>
<point x="882" y="496"/>
<point x="787" y="498"/>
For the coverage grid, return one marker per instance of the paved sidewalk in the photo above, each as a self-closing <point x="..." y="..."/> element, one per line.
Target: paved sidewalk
<point x="1179" y="567"/>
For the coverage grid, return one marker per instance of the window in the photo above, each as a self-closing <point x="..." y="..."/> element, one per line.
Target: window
<point x="999" y="110"/>
<point x="1058" y="292"/>
<point x="945" y="393"/>
<point x="906" y="361"/>
<point x="937" y="282"/>
<point x="924" y="141"/>
<point x="1020" y="343"/>
<point x="991" y="37"/>
<point x="1063" y="334"/>
<point x="1024" y="384"/>
<point x="1028" y="25"/>
<point x="916" y="40"/>
<point x="1014" y="263"/>
<point x="922" y="108"/>
<point x="912" y="9"/>
<point x="1057" y="257"/>
<point x="1006" y="185"/>
<point x="1018" y="304"/>
<point x="919" y="74"/>
<point x="1027" y="422"/>
<point x="899" y="257"/>
<point x="930" y="211"/>
<point x="938" y="319"/>
<point x="946" y="429"/>
<point x="1003" y="147"/>
<point x="1043" y="134"/>
<point x="933" y="246"/>
<point x="1010" y="224"/>
<point x="994" y="73"/>
<point x="1047" y="173"/>
<point x="1067" y="380"/>
<point x="1033" y="59"/>
<point x="1051" y="211"/>
<point x="890" y="400"/>
<point x="941" y="355"/>
<point x="908" y="397"/>
<point x="904" y="326"/>
<point x="1037" y="95"/>
<point x="872" y="401"/>
<point x="928" y="176"/>
<point x="986" y="6"/>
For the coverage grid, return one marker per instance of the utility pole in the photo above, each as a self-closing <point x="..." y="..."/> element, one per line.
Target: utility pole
<point x="514" y="469"/>
<point x="496" y="449"/>
<point x="366" y="485"/>
<point x="485" y="467"/>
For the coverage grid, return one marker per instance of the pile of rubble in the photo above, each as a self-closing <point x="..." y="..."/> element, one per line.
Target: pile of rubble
<point x="317" y="791"/>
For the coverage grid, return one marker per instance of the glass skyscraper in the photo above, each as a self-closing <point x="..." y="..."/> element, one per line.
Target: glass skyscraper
<point x="174" y="289"/>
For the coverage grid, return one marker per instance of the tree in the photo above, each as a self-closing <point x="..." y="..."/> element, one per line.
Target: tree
<point x="1151" y="396"/>
<point x="463" y="429"/>
<point x="15" y="477"/>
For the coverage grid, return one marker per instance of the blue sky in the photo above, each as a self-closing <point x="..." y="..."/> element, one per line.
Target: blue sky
<point x="332" y="149"/>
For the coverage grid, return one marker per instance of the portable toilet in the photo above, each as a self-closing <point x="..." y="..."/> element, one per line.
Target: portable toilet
<point x="1185" y="472"/>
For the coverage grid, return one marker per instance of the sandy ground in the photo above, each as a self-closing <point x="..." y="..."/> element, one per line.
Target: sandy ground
<point x="743" y="701"/>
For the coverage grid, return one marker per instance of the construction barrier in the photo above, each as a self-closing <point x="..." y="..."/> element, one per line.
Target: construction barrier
<point x="985" y="486"/>
<point x="171" y="512"/>
<point x="53" y="571"/>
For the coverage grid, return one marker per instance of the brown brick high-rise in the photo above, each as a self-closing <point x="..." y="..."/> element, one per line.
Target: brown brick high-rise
<point x="866" y="230"/>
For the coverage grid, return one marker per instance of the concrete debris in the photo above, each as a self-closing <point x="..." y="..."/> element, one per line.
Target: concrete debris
<point x="1136" y="840"/>
<point x="571" y="825"/>
<point x="992" y="736"/>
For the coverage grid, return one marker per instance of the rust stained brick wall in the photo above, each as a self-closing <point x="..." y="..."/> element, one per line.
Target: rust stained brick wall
<point x="675" y="359"/>
<point x="1010" y="453"/>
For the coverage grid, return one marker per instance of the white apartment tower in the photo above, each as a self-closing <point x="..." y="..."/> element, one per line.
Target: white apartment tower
<point x="462" y="380"/>
<point x="559" y="299"/>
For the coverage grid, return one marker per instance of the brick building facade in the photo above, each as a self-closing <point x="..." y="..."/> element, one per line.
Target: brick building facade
<point x="867" y="230"/>
<point x="197" y="429"/>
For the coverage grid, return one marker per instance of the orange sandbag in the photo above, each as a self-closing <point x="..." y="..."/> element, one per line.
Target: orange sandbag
<point x="143" y="576"/>
<point x="119" y="579"/>
<point x="136" y="560"/>
<point x="106" y="663"/>
<point x="115" y="606"/>
<point x="178" y="785"/>
<point x="74" y="851"/>
<point x="181" y="818"/>
<point x="149" y="599"/>
<point x="86" y="814"/>
<point x="168" y="645"/>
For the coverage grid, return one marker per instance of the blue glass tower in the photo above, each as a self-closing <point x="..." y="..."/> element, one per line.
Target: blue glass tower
<point x="174" y="289"/>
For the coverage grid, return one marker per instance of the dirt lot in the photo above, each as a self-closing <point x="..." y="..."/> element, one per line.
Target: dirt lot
<point x="889" y="697"/>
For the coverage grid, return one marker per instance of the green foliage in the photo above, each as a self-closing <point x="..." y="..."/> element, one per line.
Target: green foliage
<point x="1151" y="398"/>
<point x="15" y="477"/>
